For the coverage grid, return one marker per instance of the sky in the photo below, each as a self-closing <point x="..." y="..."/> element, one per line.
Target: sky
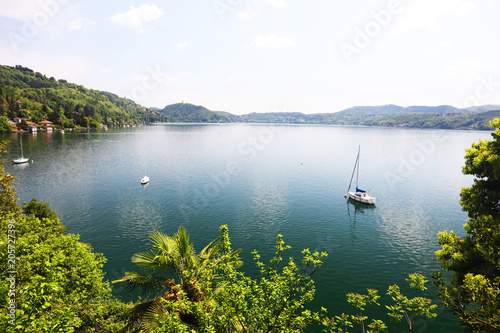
<point x="244" y="56"/>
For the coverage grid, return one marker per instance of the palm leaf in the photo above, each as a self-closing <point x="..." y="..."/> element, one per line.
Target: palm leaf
<point x="148" y="322"/>
<point x="185" y="251"/>
<point x="154" y="261"/>
<point x="149" y="283"/>
<point x="163" y="243"/>
<point x="211" y="249"/>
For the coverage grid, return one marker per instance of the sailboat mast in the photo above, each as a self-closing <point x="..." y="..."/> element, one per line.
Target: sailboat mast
<point x="353" y="170"/>
<point x="357" y="173"/>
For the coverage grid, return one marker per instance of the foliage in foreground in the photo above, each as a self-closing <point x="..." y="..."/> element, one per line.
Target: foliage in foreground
<point x="219" y="298"/>
<point x="474" y="292"/>
<point x="49" y="280"/>
<point x="212" y="296"/>
<point x="57" y="284"/>
<point x="412" y="310"/>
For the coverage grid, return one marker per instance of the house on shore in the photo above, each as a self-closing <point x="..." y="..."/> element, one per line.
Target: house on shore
<point x="32" y="127"/>
<point x="47" y="124"/>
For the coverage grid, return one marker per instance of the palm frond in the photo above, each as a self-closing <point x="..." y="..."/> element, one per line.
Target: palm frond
<point x="211" y="249"/>
<point x="148" y="322"/>
<point x="162" y="242"/>
<point x="150" y="284"/>
<point x="185" y="250"/>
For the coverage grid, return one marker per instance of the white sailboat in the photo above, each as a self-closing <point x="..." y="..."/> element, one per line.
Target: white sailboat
<point x="359" y="195"/>
<point x="21" y="159"/>
<point x="145" y="180"/>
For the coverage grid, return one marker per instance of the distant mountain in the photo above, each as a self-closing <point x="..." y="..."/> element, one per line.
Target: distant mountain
<point x="483" y="108"/>
<point x="443" y="116"/>
<point x="384" y="109"/>
<point x="435" y="109"/>
<point x="395" y="109"/>
<point x="34" y="97"/>
<point x="185" y="112"/>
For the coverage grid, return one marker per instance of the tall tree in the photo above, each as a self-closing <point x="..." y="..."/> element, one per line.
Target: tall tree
<point x="474" y="292"/>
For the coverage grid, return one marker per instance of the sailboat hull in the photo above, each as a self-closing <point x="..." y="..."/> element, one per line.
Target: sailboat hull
<point x="20" y="160"/>
<point x="362" y="197"/>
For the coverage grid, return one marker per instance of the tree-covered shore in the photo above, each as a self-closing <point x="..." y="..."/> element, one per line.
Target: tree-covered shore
<point x="51" y="282"/>
<point x="33" y="97"/>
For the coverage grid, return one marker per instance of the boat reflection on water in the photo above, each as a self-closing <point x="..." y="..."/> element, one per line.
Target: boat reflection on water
<point x="359" y="208"/>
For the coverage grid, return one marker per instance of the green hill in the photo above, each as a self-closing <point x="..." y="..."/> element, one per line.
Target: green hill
<point x="27" y="94"/>
<point x="189" y="113"/>
<point x="395" y="117"/>
<point x="34" y="97"/>
<point x="396" y="109"/>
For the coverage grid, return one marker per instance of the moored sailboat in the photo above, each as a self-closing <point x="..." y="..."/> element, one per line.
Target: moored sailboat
<point x="21" y="159"/>
<point x="359" y="195"/>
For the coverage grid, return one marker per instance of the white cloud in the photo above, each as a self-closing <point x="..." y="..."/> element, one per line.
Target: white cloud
<point x="135" y="17"/>
<point x="246" y="14"/>
<point x="428" y="14"/>
<point x="80" y="23"/>
<point x="465" y="66"/>
<point x="277" y="3"/>
<point x="180" y="46"/>
<point x="270" y="41"/>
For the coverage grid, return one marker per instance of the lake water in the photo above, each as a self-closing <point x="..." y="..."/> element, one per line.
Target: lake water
<point x="260" y="180"/>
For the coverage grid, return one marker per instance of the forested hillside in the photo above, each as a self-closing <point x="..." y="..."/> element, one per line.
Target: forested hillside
<point x="185" y="112"/>
<point x="27" y="94"/>
<point x="470" y="120"/>
<point x="33" y="97"/>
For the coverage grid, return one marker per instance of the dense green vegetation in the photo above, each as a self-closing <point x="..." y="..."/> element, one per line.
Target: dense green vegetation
<point x="51" y="282"/>
<point x="478" y="121"/>
<point x="473" y="294"/>
<point x="189" y="113"/>
<point x="34" y="97"/>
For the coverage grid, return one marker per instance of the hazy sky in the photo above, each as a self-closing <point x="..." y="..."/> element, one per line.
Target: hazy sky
<point x="245" y="56"/>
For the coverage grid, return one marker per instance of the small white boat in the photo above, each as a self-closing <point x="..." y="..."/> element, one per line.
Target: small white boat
<point x="21" y="159"/>
<point x="359" y="195"/>
<point x="145" y="180"/>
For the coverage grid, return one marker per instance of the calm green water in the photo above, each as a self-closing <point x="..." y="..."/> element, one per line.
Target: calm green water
<point x="261" y="181"/>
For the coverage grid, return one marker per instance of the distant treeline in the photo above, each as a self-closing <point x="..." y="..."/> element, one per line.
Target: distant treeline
<point x="395" y="117"/>
<point x="32" y="96"/>
<point x="477" y="121"/>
